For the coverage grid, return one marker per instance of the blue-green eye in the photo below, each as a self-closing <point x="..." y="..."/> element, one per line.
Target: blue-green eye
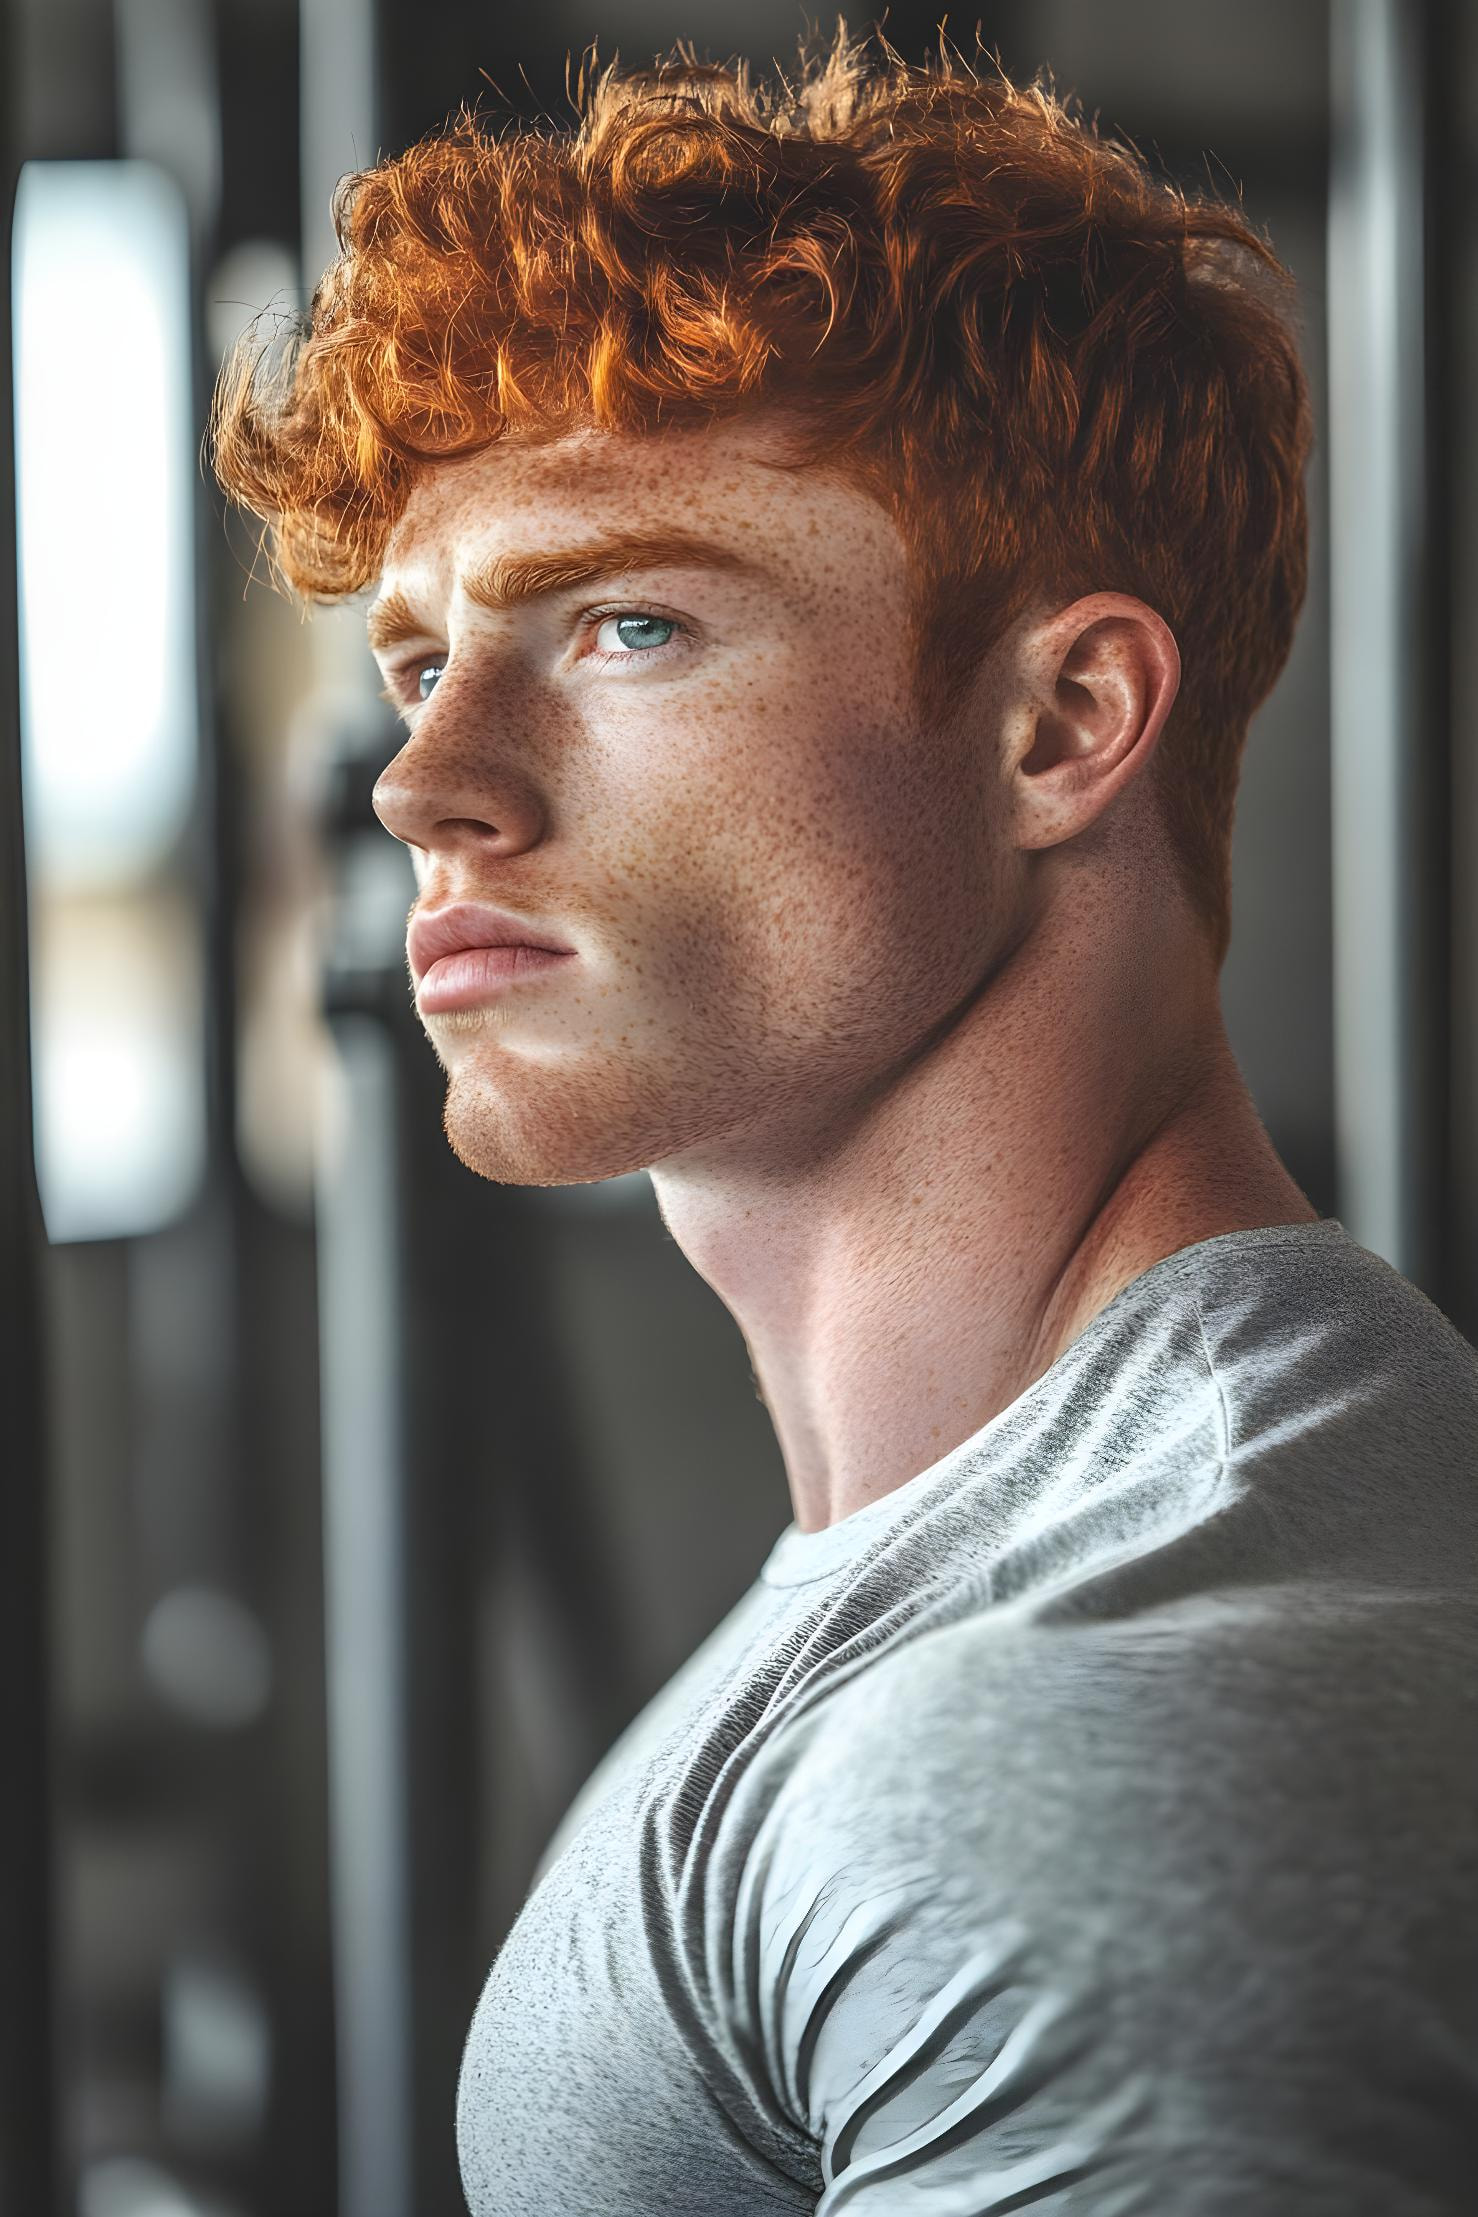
<point x="432" y="670"/>
<point x="633" y="633"/>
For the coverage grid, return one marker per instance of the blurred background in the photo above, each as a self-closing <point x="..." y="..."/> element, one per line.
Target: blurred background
<point x="351" y="1505"/>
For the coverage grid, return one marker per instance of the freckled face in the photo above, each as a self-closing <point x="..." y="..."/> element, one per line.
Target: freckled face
<point x="709" y="781"/>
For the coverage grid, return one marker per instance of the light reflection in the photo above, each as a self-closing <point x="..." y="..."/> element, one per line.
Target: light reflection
<point x="105" y="450"/>
<point x="116" y="995"/>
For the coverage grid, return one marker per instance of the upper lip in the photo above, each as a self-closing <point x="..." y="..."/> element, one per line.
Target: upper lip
<point x="435" y="932"/>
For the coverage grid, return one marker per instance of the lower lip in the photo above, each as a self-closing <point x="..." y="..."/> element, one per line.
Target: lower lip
<point x="475" y="974"/>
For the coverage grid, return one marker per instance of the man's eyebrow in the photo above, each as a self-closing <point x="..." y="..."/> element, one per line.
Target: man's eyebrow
<point x="508" y="580"/>
<point x="389" y="620"/>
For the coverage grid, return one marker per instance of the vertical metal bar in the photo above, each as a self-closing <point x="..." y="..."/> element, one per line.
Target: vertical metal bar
<point x="1383" y="744"/>
<point x="363" y="1450"/>
<point x="361" y="1359"/>
<point x="27" y="2077"/>
<point x="339" y="114"/>
<point x="1457" y="155"/>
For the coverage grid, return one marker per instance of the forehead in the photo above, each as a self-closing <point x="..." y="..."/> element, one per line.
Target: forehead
<point x="729" y="483"/>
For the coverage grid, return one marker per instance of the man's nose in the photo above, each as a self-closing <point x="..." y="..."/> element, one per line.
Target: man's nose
<point x="405" y="800"/>
<point x="434" y="803"/>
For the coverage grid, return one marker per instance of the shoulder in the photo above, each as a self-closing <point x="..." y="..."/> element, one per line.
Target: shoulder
<point x="1280" y="1737"/>
<point x="1326" y="1338"/>
<point x="1350" y="1413"/>
<point x="1059" y="1845"/>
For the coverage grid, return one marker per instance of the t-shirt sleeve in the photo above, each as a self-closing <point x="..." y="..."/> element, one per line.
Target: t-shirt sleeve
<point x="1116" y="1921"/>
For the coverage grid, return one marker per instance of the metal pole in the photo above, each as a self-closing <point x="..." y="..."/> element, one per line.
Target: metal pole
<point x="28" y="2178"/>
<point x="363" y="1455"/>
<point x="1385" y="743"/>
<point x="363" y="1431"/>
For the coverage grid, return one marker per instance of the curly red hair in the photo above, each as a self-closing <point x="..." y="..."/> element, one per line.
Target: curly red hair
<point x="1060" y="374"/>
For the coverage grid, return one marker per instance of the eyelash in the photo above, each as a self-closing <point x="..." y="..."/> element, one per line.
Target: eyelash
<point x="400" y="691"/>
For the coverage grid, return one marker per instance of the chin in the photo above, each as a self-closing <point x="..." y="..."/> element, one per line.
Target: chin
<point x="540" y="1128"/>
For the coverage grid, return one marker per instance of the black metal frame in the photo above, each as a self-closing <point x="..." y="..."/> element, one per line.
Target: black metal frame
<point x="27" y="2076"/>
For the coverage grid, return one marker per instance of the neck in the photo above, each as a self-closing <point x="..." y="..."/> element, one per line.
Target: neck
<point x="904" y="1275"/>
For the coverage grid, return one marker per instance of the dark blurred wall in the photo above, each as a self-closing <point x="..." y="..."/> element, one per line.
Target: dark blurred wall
<point x="181" y="1367"/>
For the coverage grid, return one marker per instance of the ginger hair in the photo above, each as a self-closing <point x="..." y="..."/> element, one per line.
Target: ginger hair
<point x="1060" y="374"/>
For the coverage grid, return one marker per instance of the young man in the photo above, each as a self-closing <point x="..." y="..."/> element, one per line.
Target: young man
<point x="828" y="546"/>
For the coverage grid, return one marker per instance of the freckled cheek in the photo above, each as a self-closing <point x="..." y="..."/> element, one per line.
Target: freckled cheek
<point x="667" y="754"/>
<point x="776" y="786"/>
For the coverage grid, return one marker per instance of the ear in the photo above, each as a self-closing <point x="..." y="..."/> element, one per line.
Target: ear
<point x="1101" y="677"/>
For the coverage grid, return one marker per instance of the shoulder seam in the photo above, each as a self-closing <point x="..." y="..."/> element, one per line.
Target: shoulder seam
<point x="1215" y="1376"/>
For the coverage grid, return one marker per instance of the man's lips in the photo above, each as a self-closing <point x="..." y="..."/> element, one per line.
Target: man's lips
<point x="438" y="932"/>
<point x="475" y="975"/>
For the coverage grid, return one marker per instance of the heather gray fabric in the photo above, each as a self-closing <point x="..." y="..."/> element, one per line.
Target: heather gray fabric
<point x="1087" y="1826"/>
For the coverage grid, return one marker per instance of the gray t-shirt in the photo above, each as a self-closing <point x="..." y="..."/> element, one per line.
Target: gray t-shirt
<point x="1088" y="1826"/>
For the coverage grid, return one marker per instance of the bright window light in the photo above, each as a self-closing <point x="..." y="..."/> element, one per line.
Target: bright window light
<point x="105" y="447"/>
<point x="116" y="999"/>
